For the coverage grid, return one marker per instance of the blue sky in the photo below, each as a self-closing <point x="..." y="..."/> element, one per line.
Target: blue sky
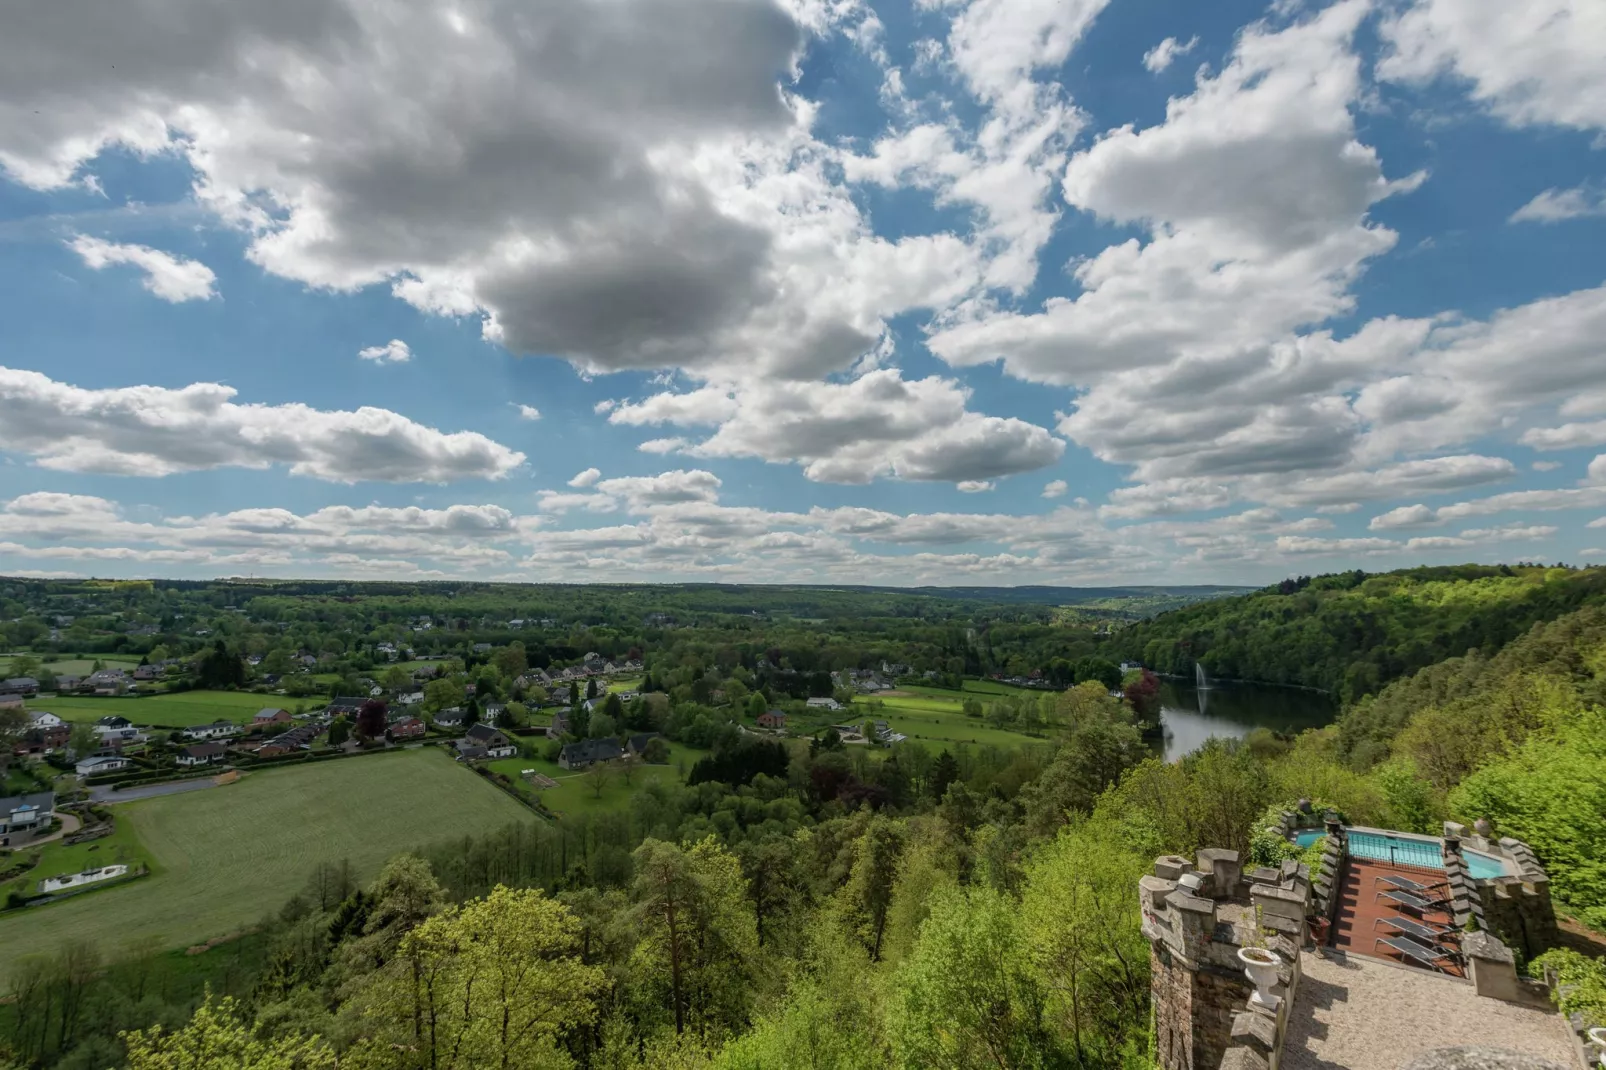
<point x="952" y="291"/>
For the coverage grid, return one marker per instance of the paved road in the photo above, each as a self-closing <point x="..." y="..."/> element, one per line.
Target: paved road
<point x="149" y="791"/>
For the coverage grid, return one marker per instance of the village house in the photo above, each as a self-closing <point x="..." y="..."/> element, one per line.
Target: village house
<point x="483" y="741"/>
<point x="44" y="719"/>
<point x="107" y="682"/>
<point x="19" y="685"/>
<point x="494" y="712"/>
<point x="271" y="715"/>
<point x="824" y="704"/>
<point x="215" y="730"/>
<point x="451" y="717"/>
<point x="588" y="753"/>
<point x="101" y="763"/>
<point x="202" y="754"/>
<point x="114" y="728"/>
<point x="25" y="815"/>
<point x="559" y="726"/>
<point x="408" y="728"/>
<point x="146" y="672"/>
<point x="343" y="706"/>
<point x="637" y="744"/>
<point x="410" y="698"/>
<point x="775" y="719"/>
<point x="68" y="681"/>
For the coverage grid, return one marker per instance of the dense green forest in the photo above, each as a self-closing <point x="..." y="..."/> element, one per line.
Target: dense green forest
<point x="1352" y="633"/>
<point x="835" y="908"/>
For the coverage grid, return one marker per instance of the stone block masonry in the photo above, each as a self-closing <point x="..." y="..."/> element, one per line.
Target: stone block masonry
<point x="1197" y="916"/>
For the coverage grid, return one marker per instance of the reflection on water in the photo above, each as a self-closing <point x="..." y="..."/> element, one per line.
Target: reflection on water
<point x="1190" y="716"/>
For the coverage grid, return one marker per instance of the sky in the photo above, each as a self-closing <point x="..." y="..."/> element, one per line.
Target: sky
<point x="809" y="291"/>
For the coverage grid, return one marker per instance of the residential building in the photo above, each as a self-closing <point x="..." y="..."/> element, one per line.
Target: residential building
<point x="775" y="719"/>
<point x="215" y="730"/>
<point x="559" y="725"/>
<point x="408" y="728"/>
<point x="491" y="742"/>
<point x="25" y="815"/>
<point x="271" y="715"/>
<point x="113" y="727"/>
<point x="101" y="763"/>
<point x="202" y="754"/>
<point x="588" y="753"/>
<point x="637" y="744"/>
<point x="10" y="702"/>
<point x="494" y="712"/>
<point x="824" y="704"/>
<point x="19" y="685"/>
<point x="451" y="717"/>
<point x="36" y="741"/>
<point x="42" y="719"/>
<point x="68" y="681"/>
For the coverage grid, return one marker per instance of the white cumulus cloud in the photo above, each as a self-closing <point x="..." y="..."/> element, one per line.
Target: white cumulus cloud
<point x="394" y="351"/>
<point x="1165" y="53"/>
<point x="172" y="278"/>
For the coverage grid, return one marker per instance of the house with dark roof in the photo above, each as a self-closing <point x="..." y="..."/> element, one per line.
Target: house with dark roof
<point x="344" y="706"/>
<point x="588" y="752"/>
<point x="202" y="754"/>
<point x="451" y="717"/>
<point x="19" y="685"/>
<point x="559" y="726"/>
<point x="271" y="715"/>
<point x="637" y="744"/>
<point x="490" y="741"/>
<point x="775" y="719"/>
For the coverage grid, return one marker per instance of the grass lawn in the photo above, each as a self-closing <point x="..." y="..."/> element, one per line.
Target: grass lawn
<point x="932" y="715"/>
<point x="179" y="710"/>
<point x="575" y="793"/>
<point x="58" y="858"/>
<point x="72" y="664"/>
<point x="227" y="856"/>
<point x="630" y="684"/>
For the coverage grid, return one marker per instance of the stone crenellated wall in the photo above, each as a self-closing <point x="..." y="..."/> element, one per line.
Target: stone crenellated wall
<point x="1197" y="916"/>
<point x="1516" y="908"/>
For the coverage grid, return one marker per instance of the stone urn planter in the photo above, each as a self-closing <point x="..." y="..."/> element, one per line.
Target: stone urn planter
<point x="1597" y="1037"/>
<point x="1260" y="966"/>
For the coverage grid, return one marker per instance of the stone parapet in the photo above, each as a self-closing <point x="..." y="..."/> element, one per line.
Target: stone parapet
<point x="1515" y="907"/>
<point x="1198" y="916"/>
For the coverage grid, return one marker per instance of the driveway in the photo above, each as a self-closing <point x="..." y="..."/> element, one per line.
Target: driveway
<point x="149" y="791"/>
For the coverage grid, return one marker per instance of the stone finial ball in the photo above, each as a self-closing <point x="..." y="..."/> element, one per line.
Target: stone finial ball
<point x="1304" y="806"/>
<point x="1482" y="826"/>
<point x="1479" y="1058"/>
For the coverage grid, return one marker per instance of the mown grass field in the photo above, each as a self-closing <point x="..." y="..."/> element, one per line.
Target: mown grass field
<point x="575" y="793"/>
<point x="70" y="663"/>
<point x="935" y="715"/>
<point x="227" y="856"/>
<point x="169" y="711"/>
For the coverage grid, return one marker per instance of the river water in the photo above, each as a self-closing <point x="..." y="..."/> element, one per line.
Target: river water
<point x="1190" y="716"/>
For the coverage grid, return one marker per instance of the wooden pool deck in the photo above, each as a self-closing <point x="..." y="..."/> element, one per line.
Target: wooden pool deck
<point x="1355" y="928"/>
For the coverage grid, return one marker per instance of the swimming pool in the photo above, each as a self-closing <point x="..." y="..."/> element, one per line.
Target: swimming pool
<point x="1305" y="837"/>
<point x="1421" y="851"/>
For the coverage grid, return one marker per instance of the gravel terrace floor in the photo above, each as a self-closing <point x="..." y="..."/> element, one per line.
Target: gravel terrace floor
<point x="1356" y="1013"/>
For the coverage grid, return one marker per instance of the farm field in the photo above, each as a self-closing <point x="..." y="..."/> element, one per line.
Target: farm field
<point x="227" y="856"/>
<point x="575" y="795"/>
<point x="179" y="710"/>
<point x="70" y="663"/>
<point x="934" y="715"/>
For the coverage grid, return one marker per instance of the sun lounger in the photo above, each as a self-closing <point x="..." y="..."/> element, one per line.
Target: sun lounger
<point x="1404" y="884"/>
<point x="1427" y="935"/>
<point x="1422" y="930"/>
<point x="1412" y="902"/>
<point x="1410" y="949"/>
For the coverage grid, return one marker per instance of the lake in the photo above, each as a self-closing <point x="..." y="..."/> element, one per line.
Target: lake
<point x="1232" y="710"/>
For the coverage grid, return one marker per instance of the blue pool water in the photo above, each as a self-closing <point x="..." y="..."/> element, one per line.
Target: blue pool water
<point x="1306" y="837"/>
<point x="1426" y="853"/>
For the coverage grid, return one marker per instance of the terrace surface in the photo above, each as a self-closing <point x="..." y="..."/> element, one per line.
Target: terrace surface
<point x="1355" y="923"/>
<point x="1356" y="1013"/>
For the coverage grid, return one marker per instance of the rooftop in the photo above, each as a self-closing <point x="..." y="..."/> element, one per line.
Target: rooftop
<point x="1355" y="1013"/>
